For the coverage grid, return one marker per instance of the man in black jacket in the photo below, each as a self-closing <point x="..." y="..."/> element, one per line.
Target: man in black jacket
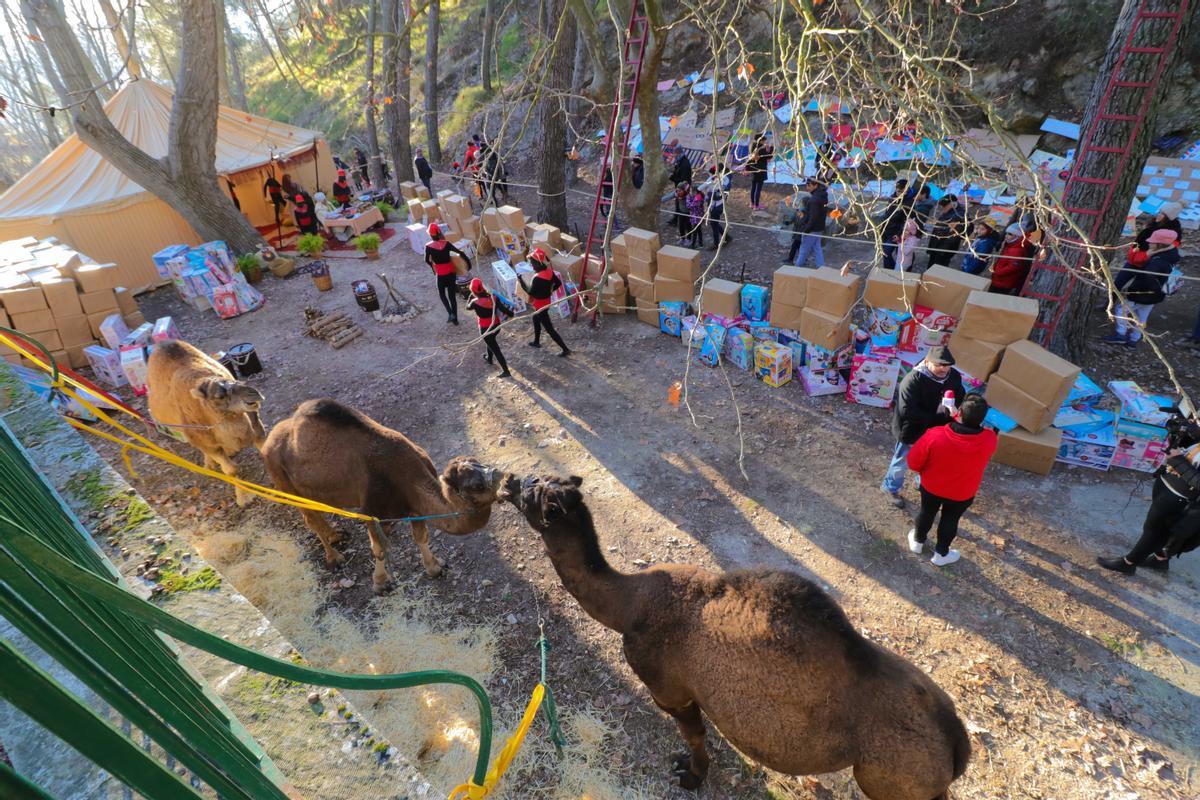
<point x="898" y="211"/>
<point x="812" y="225"/>
<point x="920" y="406"/>
<point x="424" y="171"/>
<point x="1176" y="486"/>
<point x="682" y="172"/>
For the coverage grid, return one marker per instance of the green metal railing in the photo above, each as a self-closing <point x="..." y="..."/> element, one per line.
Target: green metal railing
<point x="59" y="590"/>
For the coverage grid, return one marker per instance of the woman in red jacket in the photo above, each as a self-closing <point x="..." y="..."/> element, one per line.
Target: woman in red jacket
<point x="1012" y="265"/>
<point x="488" y="309"/>
<point x="951" y="460"/>
<point x="437" y="256"/>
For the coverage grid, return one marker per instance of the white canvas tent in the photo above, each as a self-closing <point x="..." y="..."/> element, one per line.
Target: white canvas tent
<point x="74" y="194"/>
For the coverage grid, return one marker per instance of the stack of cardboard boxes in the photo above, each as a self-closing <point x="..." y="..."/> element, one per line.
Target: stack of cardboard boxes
<point x="60" y="298"/>
<point x="1030" y="388"/>
<point x="829" y="297"/>
<point x="678" y="271"/>
<point x="789" y="293"/>
<point x="990" y="322"/>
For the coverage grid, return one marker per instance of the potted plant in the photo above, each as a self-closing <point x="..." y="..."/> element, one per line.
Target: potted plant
<point x="385" y="208"/>
<point x="250" y="266"/>
<point x="368" y="244"/>
<point x="311" y="245"/>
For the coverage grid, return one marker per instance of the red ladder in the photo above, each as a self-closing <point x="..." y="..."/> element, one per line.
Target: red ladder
<point x="617" y="140"/>
<point x="1053" y="306"/>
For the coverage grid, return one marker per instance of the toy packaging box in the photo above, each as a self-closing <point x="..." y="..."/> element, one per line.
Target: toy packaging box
<point x="138" y="337"/>
<point x="754" y="302"/>
<point x="164" y="328"/>
<point x="106" y="364"/>
<point x="972" y="384"/>
<point x="927" y="328"/>
<point x="819" y="359"/>
<point x="711" y="343"/>
<point x="788" y="337"/>
<point x="113" y="330"/>
<point x="1139" y="405"/>
<point x="739" y="348"/>
<point x="762" y="331"/>
<point x="1089" y="438"/>
<point x="822" y="382"/>
<point x="773" y="363"/>
<point x="873" y="381"/>
<point x="1086" y="391"/>
<point x="999" y="421"/>
<point x="135" y="365"/>
<point x="1136" y="453"/>
<point x="884" y="325"/>
<point x="670" y="317"/>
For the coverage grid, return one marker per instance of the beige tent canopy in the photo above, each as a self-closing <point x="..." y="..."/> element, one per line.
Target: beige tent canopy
<point x="77" y="196"/>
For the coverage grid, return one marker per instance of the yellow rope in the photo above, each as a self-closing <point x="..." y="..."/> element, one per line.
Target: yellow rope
<point x="473" y="791"/>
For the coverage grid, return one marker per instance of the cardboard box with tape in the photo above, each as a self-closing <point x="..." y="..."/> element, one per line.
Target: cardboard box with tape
<point x="719" y="296"/>
<point x="890" y="290"/>
<point x="998" y="318"/>
<point x="831" y="292"/>
<point x="947" y="290"/>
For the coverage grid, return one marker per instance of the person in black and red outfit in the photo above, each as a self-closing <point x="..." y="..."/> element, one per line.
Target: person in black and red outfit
<point x="437" y="256"/>
<point x="306" y="217"/>
<point x="341" y="190"/>
<point x="540" y="289"/>
<point x="274" y="189"/>
<point x="488" y="309"/>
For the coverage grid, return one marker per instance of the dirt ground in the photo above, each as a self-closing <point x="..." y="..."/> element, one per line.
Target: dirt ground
<point x="1074" y="683"/>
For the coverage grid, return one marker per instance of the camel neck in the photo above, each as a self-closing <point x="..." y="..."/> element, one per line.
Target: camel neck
<point x="608" y="596"/>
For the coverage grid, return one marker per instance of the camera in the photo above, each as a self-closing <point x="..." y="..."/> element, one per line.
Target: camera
<point x="1182" y="429"/>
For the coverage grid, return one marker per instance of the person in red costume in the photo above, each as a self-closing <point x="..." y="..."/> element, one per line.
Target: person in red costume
<point x="341" y="190"/>
<point x="543" y="285"/>
<point x="306" y="217"/>
<point x="437" y="256"/>
<point x="489" y="308"/>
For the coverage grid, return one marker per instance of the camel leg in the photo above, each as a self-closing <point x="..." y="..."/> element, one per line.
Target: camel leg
<point x="380" y="577"/>
<point x="420" y="531"/>
<point x="229" y="468"/>
<point x="325" y="532"/>
<point x="692" y="767"/>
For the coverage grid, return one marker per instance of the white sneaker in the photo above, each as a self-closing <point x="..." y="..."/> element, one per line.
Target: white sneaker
<point x="913" y="545"/>
<point x="941" y="561"/>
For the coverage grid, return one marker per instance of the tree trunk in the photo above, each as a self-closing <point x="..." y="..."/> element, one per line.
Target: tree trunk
<point x="237" y="84"/>
<point x="374" y="167"/>
<point x="49" y="125"/>
<point x="577" y="73"/>
<point x="125" y="50"/>
<point x="431" y="88"/>
<point x="162" y="54"/>
<point x="397" y="69"/>
<point x="552" y="164"/>
<point x="644" y="205"/>
<point x="222" y="63"/>
<point x="1073" y="332"/>
<point x="602" y="88"/>
<point x="489" y="38"/>
<point x="186" y="179"/>
<point x="99" y="57"/>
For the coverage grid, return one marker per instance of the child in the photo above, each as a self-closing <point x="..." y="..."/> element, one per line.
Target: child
<point x="1012" y="267"/>
<point x="1147" y="287"/>
<point x="982" y="246"/>
<point x="910" y="239"/>
<point x="695" y="207"/>
<point x="950" y="460"/>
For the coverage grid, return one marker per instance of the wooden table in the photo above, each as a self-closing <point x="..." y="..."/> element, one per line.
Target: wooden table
<point x="345" y="228"/>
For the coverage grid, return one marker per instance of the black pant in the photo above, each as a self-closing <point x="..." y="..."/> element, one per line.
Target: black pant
<point x="541" y="319"/>
<point x="952" y="511"/>
<point x="493" y="349"/>
<point x="447" y="285"/>
<point x="889" y="255"/>
<point x="427" y="186"/>
<point x="276" y="204"/>
<point x="940" y="251"/>
<point x="684" y="224"/>
<point x="696" y="235"/>
<point x="1166" y="508"/>
<point x="716" y="220"/>
<point x="795" y="248"/>
<point x="756" y="186"/>
<point x="1123" y="277"/>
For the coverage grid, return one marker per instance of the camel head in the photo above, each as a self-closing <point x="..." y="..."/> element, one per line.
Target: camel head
<point x="229" y="397"/>
<point x="472" y="482"/>
<point x="544" y="501"/>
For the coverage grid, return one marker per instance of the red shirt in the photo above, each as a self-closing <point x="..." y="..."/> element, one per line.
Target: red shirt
<point x="951" y="462"/>
<point x="1010" y="269"/>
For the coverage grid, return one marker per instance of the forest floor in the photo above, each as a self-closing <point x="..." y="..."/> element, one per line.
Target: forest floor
<point x="1074" y="682"/>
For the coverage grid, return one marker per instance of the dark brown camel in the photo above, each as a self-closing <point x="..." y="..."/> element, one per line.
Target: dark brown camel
<point x="768" y="657"/>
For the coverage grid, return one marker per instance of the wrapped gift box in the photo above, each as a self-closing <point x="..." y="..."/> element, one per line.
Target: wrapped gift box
<point x="773" y="363"/>
<point x="873" y="380"/>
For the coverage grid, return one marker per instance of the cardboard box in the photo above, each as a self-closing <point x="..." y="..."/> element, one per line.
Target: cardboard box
<point x="641" y="289"/>
<point x="547" y="233"/>
<point x="825" y="330"/>
<point x="74" y="331"/>
<point x="668" y="290"/>
<point x="416" y="211"/>
<point x="62" y="297"/>
<point x="719" y="296"/>
<point x="512" y="218"/>
<point x="944" y="289"/>
<point x="830" y="292"/>
<point x="890" y="290"/>
<point x="647" y="311"/>
<point x="568" y="244"/>
<point x="408" y="189"/>
<point x="47" y="339"/>
<point x="75" y="355"/>
<point x="23" y="299"/>
<point x="619" y="265"/>
<point x="790" y="285"/>
<point x="103" y="300"/>
<point x="423" y="193"/>
<point x="1034" y="452"/>
<point x="785" y="315"/>
<point x="1030" y="413"/>
<point x="975" y="356"/>
<point x="430" y="211"/>
<point x="613" y="297"/>
<point x="646" y="270"/>
<point x="4" y="318"/>
<point x="33" y="321"/>
<point x="94" y="277"/>
<point x="678" y="263"/>
<point x="642" y="244"/>
<point x="618" y="246"/>
<point x="998" y="318"/>
<point x="1040" y="374"/>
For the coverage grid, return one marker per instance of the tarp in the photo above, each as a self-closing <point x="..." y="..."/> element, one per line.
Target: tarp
<point x="985" y="148"/>
<point x="73" y="177"/>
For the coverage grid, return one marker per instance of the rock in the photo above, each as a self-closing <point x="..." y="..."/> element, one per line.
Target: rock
<point x="503" y="440"/>
<point x="313" y="698"/>
<point x="511" y="619"/>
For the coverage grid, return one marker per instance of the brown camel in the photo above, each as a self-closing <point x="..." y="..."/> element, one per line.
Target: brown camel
<point x="768" y="657"/>
<point x="339" y="456"/>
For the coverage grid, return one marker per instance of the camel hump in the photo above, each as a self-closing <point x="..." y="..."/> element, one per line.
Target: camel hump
<point x="333" y="413"/>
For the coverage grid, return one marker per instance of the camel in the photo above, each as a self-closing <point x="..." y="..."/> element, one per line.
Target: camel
<point x="769" y="658"/>
<point x="341" y="457"/>
<point x="215" y="413"/>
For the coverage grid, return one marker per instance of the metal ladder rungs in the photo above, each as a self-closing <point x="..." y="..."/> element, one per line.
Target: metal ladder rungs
<point x="1120" y="117"/>
<point x="1113" y="150"/>
<point x="1133" y="84"/>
